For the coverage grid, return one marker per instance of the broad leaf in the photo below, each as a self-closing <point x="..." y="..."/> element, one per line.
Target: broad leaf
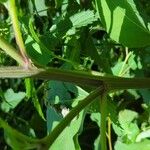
<point x="127" y="130"/>
<point x="123" y="22"/>
<point x="37" y="53"/>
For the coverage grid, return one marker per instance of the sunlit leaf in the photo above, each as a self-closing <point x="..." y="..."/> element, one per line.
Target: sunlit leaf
<point x="83" y="18"/>
<point x="12" y="99"/>
<point x="135" y="146"/>
<point x="41" y="7"/>
<point x="123" y="22"/>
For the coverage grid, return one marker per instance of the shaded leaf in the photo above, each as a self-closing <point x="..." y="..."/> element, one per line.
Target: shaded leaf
<point x="60" y="92"/>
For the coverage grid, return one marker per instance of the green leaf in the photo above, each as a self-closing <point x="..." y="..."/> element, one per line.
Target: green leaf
<point x="126" y="117"/>
<point x="116" y="69"/>
<point x="15" y="139"/>
<point x="11" y="99"/>
<point x="68" y="139"/>
<point x="83" y="18"/>
<point x="36" y="52"/>
<point x="38" y="107"/>
<point x="132" y="63"/>
<point x="143" y="135"/>
<point x="135" y="146"/>
<point x="145" y="93"/>
<point x="97" y="144"/>
<point x="29" y="87"/>
<point x="41" y="7"/>
<point x="127" y="130"/>
<point x="53" y="118"/>
<point x="123" y="22"/>
<point x="96" y="117"/>
<point x="60" y="92"/>
<point x="3" y="1"/>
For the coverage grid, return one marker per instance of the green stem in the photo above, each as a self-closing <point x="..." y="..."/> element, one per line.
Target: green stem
<point x="47" y="141"/>
<point x="103" y="122"/>
<point x="78" y="77"/>
<point x="62" y="125"/>
<point x="18" y="36"/>
<point x="27" y="141"/>
<point x="11" y="51"/>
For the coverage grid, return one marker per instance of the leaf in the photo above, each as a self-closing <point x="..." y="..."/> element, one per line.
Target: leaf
<point x="127" y="130"/>
<point x="83" y="18"/>
<point x="16" y="140"/>
<point x="41" y="7"/>
<point x="38" y="107"/>
<point x="143" y="135"/>
<point x="29" y="87"/>
<point x="145" y="93"/>
<point x="11" y="99"/>
<point x="97" y="143"/>
<point x="135" y="146"/>
<point x="132" y="63"/>
<point x="3" y="1"/>
<point x="60" y="92"/>
<point x="68" y="139"/>
<point x="96" y="117"/>
<point x="53" y="118"/>
<point x="116" y="69"/>
<point x="123" y="22"/>
<point x="36" y="52"/>
<point x="126" y="117"/>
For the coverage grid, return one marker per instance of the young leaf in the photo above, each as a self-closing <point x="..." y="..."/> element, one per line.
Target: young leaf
<point x="11" y="99"/>
<point x="123" y="22"/>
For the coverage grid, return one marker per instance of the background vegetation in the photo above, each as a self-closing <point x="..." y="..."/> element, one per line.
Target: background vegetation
<point x="102" y="38"/>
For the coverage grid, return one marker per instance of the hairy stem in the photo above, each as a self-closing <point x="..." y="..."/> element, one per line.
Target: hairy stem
<point x="78" y="77"/>
<point x="18" y="36"/>
<point x="11" y="51"/>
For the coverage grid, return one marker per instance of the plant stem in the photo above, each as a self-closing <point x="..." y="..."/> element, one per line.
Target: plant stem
<point x="109" y="134"/>
<point x="47" y="141"/>
<point x="103" y="107"/>
<point x="77" y="77"/>
<point x="11" y="51"/>
<point x="18" y="36"/>
<point x="27" y="141"/>
<point x="60" y="127"/>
